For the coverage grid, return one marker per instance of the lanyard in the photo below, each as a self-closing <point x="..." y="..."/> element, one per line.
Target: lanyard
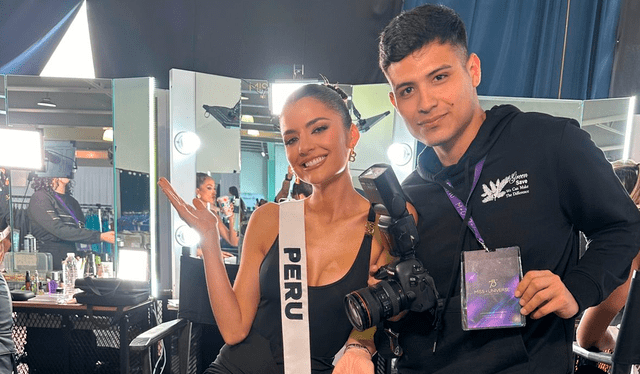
<point x="67" y="208"/>
<point x="461" y="207"/>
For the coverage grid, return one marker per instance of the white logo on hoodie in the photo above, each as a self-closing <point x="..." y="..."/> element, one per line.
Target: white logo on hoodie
<point x="517" y="184"/>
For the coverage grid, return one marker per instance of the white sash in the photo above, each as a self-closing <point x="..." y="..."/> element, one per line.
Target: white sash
<point x="294" y="296"/>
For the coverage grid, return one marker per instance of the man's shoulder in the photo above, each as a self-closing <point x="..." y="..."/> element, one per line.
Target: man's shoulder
<point x="537" y="120"/>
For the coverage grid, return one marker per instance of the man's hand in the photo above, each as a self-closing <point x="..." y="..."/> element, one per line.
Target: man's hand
<point x="109" y="237"/>
<point x="542" y="292"/>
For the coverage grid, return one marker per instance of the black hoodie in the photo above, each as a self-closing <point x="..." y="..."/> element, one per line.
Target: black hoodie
<point x="543" y="181"/>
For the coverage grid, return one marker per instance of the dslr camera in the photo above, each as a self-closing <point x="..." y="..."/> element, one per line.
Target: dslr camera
<point x="404" y="283"/>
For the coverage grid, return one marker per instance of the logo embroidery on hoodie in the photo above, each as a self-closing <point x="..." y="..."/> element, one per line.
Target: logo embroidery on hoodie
<point x="512" y="185"/>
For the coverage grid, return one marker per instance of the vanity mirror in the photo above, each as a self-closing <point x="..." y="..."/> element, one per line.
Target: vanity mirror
<point x="83" y="121"/>
<point x="204" y="136"/>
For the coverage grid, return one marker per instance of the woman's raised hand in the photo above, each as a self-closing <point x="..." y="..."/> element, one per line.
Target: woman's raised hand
<point x="196" y="216"/>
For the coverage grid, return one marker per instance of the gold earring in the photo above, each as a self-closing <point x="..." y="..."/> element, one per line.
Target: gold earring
<point x="198" y="196"/>
<point x="352" y="155"/>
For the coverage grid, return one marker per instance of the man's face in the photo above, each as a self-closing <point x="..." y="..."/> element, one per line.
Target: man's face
<point x="434" y="90"/>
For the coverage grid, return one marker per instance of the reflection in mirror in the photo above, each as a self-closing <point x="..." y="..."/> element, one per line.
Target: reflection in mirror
<point x="217" y="120"/>
<point x="134" y="162"/>
<point x="77" y="182"/>
<point x="608" y="121"/>
<point x="208" y="106"/>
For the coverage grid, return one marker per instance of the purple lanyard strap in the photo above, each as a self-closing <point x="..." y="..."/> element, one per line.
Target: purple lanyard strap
<point x="461" y="207"/>
<point x="66" y="207"/>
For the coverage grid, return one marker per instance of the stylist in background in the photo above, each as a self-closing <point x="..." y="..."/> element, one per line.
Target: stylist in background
<point x="7" y="347"/>
<point x="57" y="220"/>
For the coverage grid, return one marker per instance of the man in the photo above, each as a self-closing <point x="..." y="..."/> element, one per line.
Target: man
<point x="527" y="180"/>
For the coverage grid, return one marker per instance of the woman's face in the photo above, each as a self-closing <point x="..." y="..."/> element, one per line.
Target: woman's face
<point x="207" y="191"/>
<point x="316" y="141"/>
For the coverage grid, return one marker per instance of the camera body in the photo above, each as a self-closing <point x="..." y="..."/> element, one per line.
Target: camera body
<point x="404" y="283"/>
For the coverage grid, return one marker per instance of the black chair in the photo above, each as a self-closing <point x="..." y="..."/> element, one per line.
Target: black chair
<point x="627" y="352"/>
<point x="198" y="338"/>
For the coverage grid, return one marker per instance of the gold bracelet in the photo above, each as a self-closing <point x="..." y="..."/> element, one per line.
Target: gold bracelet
<point x="359" y="346"/>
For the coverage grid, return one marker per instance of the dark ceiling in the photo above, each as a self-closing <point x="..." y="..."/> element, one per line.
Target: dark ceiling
<point x="239" y="38"/>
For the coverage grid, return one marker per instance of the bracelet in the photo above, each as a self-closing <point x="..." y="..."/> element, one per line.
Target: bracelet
<point x="359" y="346"/>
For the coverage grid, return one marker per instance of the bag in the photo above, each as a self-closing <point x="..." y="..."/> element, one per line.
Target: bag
<point x="111" y="291"/>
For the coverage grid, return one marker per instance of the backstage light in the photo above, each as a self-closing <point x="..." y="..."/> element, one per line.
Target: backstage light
<point x="187" y="142"/>
<point x="247" y="118"/>
<point x="399" y="153"/>
<point x="22" y="149"/>
<point x="133" y="264"/>
<point x="186" y="236"/>
<point x="280" y="90"/>
<point x="107" y="135"/>
<point x="253" y="132"/>
<point x="46" y="101"/>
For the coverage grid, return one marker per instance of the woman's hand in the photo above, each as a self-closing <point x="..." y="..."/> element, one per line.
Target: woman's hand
<point x="197" y="216"/>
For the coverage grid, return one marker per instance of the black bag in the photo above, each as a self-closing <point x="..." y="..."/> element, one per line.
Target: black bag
<point x="111" y="291"/>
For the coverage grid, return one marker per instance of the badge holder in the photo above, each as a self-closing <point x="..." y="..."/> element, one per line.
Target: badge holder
<point x="489" y="280"/>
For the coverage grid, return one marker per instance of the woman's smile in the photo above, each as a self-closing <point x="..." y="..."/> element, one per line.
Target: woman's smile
<point x="314" y="162"/>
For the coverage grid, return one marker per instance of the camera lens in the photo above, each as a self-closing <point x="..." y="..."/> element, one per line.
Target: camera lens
<point x="368" y="306"/>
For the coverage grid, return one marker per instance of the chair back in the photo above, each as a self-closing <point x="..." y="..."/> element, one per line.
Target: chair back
<point x="627" y="350"/>
<point x="194" y="298"/>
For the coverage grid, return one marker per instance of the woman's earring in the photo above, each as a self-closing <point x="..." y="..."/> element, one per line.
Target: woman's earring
<point x="352" y="155"/>
<point x="198" y="196"/>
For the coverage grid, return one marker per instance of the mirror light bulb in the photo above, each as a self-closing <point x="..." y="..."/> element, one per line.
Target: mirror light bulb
<point x="399" y="153"/>
<point x="186" y="236"/>
<point x="187" y="142"/>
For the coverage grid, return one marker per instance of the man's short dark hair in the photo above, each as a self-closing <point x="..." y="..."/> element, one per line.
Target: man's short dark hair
<point x="411" y="30"/>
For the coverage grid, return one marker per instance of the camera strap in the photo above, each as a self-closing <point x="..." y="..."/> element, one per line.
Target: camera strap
<point x="294" y="295"/>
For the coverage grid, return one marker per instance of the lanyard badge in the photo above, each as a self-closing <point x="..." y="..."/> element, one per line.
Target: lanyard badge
<point x="489" y="276"/>
<point x="489" y="280"/>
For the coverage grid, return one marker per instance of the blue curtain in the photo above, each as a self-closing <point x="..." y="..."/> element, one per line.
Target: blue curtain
<point x="30" y="30"/>
<point x="520" y="45"/>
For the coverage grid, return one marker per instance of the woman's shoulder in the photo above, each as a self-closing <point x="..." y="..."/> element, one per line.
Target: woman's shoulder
<point x="263" y="226"/>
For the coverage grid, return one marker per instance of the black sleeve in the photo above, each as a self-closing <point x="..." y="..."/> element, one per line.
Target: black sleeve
<point x="598" y="205"/>
<point x="44" y="212"/>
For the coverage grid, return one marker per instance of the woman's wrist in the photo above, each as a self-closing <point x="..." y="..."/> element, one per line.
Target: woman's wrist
<point x="358" y="347"/>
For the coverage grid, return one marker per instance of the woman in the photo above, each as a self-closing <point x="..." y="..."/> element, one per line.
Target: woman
<point x="593" y="329"/>
<point x="57" y="220"/>
<point x="319" y="139"/>
<point x="206" y="192"/>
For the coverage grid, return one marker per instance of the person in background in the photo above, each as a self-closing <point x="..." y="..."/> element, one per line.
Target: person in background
<point x="7" y="346"/>
<point x="301" y="190"/>
<point x="283" y="194"/>
<point x="525" y="183"/>
<point x="238" y="203"/>
<point x="593" y="330"/>
<point x="206" y="192"/>
<point x="319" y="137"/>
<point x="260" y="202"/>
<point x="57" y="220"/>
